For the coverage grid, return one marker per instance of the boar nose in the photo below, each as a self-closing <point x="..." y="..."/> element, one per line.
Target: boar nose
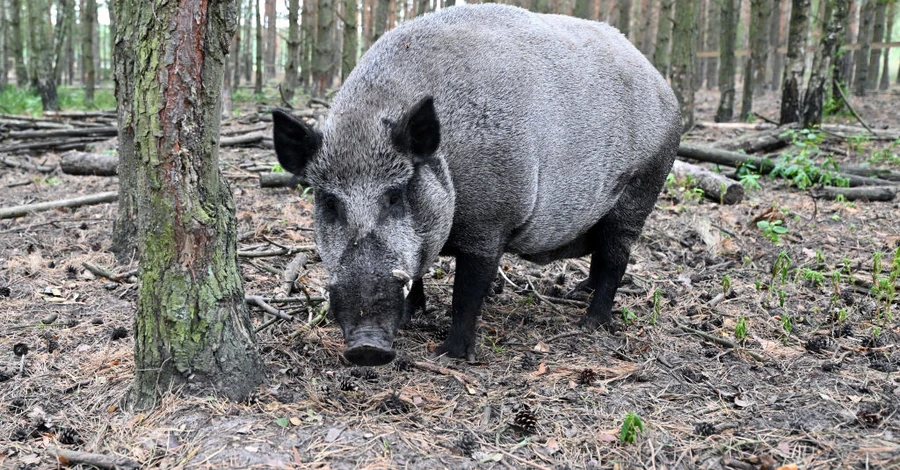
<point x="369" y="355"/>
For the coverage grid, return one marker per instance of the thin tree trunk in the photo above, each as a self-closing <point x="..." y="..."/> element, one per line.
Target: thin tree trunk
<point x="15" y="42"/>
<point x="42" y="54"/>
<point x="888" y="36"/>
<point x="191" y="326"/>
<point x="727" y="41"/>
<point x="866" y="23"/>
<point x="88" y="16"/>
<point x="248" y="42"/>
<point x="4" y="72"/>
<point x="258" y="84"/>
<point x="111" y="35"/>
<point x="70" y="46"/>
<point x="683" y="60"/>
<point x="624" y="22"/>
<point x="582" y="9"/>
<point x="293" y="51"/>
<point x="350" y="48"/>
<point x="875" y="54"/>
<point x="843" y="74"/>
<point x="755" y="68"/>
<point x="125" y="232"/>
<point x="308" y="30"/>
<point x="712" y="41"/>
<point x="795" y="66"/>
<point x="379" y="25"/>
<point x="775" y="58"/>
<point x="663" y="37"/>
<point x="823" y="61"/>
<point x="236" y="49"/>
<point x="322" y="64"/>
<point x="271" y="40"/>
<point x="421" y="7"/>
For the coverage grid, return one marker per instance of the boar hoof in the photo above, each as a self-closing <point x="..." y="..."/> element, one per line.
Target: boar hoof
<point x="367" y="355"/>
<point x="592" y="323"/>
<point x="456" y="349"/>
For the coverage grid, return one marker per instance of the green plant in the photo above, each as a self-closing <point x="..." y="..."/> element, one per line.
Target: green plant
<point x="750" y="181"/>
<point x="726" y="284"/>
<point x="631" y="427"/>
<point x="842" y="315"/>
<point x="786" y="324"/>
<point x="812" y="276"/>
<point x="657" y="306"/>
<point x="276" y="168"/>
<point x="781" y="297"/>
<point x="740" y="329"/>
<point x="858" y="140"/>
<point x="628" y="316"/>
<point x="772" y="230"/>
<point x="886" y="156"/>
<point x="526" y="301"/>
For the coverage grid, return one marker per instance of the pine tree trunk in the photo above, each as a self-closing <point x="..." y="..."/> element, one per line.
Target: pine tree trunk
<point x="4" y="72"/>
<point x="87" y="50"/>
<point x="888" y="36"/>
<point x="15" y="42"/>
<point x="248" y="42"/>
<point x="111" y="34"/>
<point x="42" y="54"/>
<point x="293" y="51"/>
<point x="421" y="7"/>
<point x="322" y="65"/>
<point x="64" y="13"/>
<point x="775" y="58"/>
<point x="755" y="67"/>
<point x="235" y="56"/>
<point x="727" y="63"/>
<point x="258" y="84"/>
<point x="271" y="40"/>
<point x="814" y="98"/>
<point x="843" y="73"/>
<point x="191" y="326"/>
<point x="124" y="236"/>
<point x="712" y="42"/>
<point x="663" y="37"/>
<point x="624" y="22"/>
<point x="379" y="25"/>
<point x="350" y="48"/>
<point x="308" y="31"/>
<point x="682" y="70"/>
<point x="866" y="23"/>
<point x="875" y="54"/>
<point x="795" y="65"/>
<point x="582" y="9"/>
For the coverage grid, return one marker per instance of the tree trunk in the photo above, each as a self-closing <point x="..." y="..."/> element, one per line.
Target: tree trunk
<point x="191" y="326"/>
<point x="683" y="60"/>
<point x="624" y="21"/>
<point x="712" y="41"/>
<point x="823" y="61"/>
<point x="663" y="37"/>
<point x="88" y="14"/>
<point x="866" y="23"/>
<point x="583" y="9"/>
<point x="350" y="48"/>
<point x="70" y="47"/>
<point x="110" y="34"/>
<point x="271" y="40"/>
<point x="125" y="232"/>
<point x="888" y="36"/>
<point x="775" y="59"/>
<point x="379" y="25"/>
<point x="843" y="73"/>
<point x="41" y="53"/>
<point x="308" y="30"/>
<point x="293" y="51"/>
<point x="727" y="40"/>
<point x="236" y="49"/>
<point x="322" y="64"/>
<point x="64" y="14"/>
<point x="248" y="42"/>
<point x="15" y="42"/>
<point x="755" y="67"/>
<point x="875" y="55"/>
<point x="795" y="65"/>
<point x="4" y="72"/>
<point x="258" y="84"/>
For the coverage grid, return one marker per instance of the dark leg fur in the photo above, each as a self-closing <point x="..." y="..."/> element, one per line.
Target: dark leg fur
<point x="415" y="300"/>
<point x="474" y="275"/>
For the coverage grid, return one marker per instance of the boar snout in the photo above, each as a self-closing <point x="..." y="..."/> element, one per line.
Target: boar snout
<point x="369" y="347"/>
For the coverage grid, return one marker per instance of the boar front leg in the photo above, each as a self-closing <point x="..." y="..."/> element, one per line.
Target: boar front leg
<point x="415" y="300"/>
<point x="474" y="275"/>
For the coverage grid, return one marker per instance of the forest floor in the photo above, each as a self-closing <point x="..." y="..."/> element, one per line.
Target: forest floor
<point x="822" y="391"/>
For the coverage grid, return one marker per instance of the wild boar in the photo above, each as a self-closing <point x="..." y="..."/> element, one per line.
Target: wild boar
<point x="471" y="132"/>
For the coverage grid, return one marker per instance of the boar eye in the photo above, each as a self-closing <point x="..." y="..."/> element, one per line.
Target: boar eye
<point x="330" y="203"/>
<point x="394" y="198"/>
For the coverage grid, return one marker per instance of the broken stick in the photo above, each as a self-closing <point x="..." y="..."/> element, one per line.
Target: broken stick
<point x="19" y="211"/>
<point x="74" y="457"/>
<point x="862" y="193"/>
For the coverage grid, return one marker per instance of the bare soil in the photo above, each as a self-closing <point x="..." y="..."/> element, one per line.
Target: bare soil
<point x="543" y="393"/>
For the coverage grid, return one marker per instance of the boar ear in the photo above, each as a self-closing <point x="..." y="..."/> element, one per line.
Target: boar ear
<point x="295" y="142"/>
<point x="418" y="132"/>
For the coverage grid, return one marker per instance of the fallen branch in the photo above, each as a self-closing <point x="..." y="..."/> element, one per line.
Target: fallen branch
<point x="246" y="139"/>
<point x="715" y="186"/>
<point x="752" y="142"/>
<point x="98" y="271"/>
<point x="74" y="457"/>
<point x="427" y="366"/>
<point x="863" y="193"/>
<point x="722" y="342"/>
<point x="869" y="172"/>
<point x="259" y="302"/>
<point x="762" y="165"/>
<point x="19" y="211"/>
<point x="845" y="131"/>
<point x="290" y="273"/>
<point x="82" y="132"/>
<point x="280" y="180"/>
<point x="27" y="166"/>
<point x="65" y="144"/>
<point x="853" y="111"/>
<point x="91" y="164"/>
<point x="281" y="251"/>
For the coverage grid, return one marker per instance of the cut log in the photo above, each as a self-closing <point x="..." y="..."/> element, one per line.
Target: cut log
<point x="842" y="130"/>
<point x="106" y="131"/>
<point x="753" y="142"/>
<point x="862" y="193"/>
<point x="280" y="180"/>
<point x="748" y="126"/>
<point x="80" y="114"/>
<point x="245" y="139"/>
<point x="19" y="211"/>
<point x="763" y="166"/>
<point x="880" y="173"/>
<point x="91" y="164"/>
<point x="716" y="187"/>
<point x="60" y="144"/>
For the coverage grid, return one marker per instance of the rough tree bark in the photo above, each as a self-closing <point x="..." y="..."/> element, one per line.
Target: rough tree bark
<point x="866" y="23"/>
<point x="15" y="41"/>
<point x="258" y="83"/>
<point x="814" y="98"/>
<point x="888" y="35"/>
<point x="293" y="51"/>
<point x="795" y="64"/>
<point x="271" y="40"/>
<point x="41" y="53"/>
<point x="877" y="36"/>
<point x="682" y="69"/>
<point x="350" y="48"/>
<point x="755" y="67"/>
<point x="125" y="232"/>
<point x="727" y="40"/>
<point x="323" y="68"/>
<point x="88" y="17"/>
<point x="664" y="37"/>
<point x="191" y="326"/>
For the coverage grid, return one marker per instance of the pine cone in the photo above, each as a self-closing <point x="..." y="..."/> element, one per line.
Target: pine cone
<point x="587" y="377"/>
<point x="467" y="444"/>
<point x="526" y="421"/>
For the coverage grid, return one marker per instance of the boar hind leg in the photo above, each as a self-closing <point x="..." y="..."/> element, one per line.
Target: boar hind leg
<point x="415" y="300"/>
<point x="474" y="275"/>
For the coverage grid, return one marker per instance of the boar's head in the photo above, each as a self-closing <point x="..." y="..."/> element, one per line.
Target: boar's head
<point x="383" y="210"/>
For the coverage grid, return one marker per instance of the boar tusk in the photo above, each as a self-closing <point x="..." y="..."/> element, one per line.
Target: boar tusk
<point x="401" y="275"/>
